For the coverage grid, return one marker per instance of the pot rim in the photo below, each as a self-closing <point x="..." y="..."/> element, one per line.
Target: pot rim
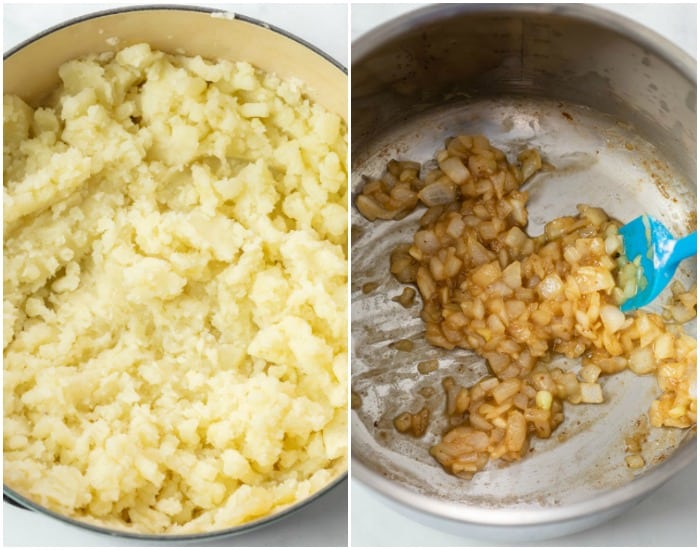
<point x="522" y="517"/>
<point x="171" y="7"/>
<point x="16" y="499"/>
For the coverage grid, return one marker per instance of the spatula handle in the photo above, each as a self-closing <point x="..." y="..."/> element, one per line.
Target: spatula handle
<point x="685" y="248"/>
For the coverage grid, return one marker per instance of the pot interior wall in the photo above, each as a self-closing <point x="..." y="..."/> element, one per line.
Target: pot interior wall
<point x="560" y="52"/>
<point x="31" y="72"/>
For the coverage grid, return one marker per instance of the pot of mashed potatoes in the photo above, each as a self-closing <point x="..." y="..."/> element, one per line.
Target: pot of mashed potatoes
<point x="175" y="273"/>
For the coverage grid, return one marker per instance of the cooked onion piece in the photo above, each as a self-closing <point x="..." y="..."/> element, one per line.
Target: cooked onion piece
<point x="428" y="366"/>
<point x="415" y="424"/>
<point x="370" y="287"/>
<point x="402" y="345"/>
<point x="517" y="300"/>
<point x="406" y="297"/>
<point x="495" y="419"/>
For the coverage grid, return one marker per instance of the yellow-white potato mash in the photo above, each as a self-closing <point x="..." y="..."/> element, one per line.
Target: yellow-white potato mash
<point x="175" y="293"/>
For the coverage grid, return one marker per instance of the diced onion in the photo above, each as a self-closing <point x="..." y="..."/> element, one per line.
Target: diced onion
<point x="543" y="399"/>
<point x="438" y="193"/>
<point x="612" y="318"/>
<point x="515" y="300"/>
<point x="641" y="361"/>
<point x="454" y="169"/>
<point x="591" y="393"/>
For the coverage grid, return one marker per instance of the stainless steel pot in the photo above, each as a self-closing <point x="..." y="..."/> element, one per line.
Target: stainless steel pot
<point x="612" y="106"/>
<point x="30" y="71"/>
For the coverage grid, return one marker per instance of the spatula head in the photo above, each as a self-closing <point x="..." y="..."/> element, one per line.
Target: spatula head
<point x="648" y="239"/>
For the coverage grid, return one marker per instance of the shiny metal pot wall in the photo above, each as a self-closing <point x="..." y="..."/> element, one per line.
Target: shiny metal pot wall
<point x="612" y="107"/>
<point x="574" y="53"/>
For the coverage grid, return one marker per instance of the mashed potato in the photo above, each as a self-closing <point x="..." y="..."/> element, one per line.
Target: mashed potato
<point x="175" y="293"/>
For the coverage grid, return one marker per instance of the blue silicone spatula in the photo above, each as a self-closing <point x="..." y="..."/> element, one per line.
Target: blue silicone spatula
<point x="659" y="252"/>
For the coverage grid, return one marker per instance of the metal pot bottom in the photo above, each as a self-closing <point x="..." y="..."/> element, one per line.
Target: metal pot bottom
<point x="581" y="470"/>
